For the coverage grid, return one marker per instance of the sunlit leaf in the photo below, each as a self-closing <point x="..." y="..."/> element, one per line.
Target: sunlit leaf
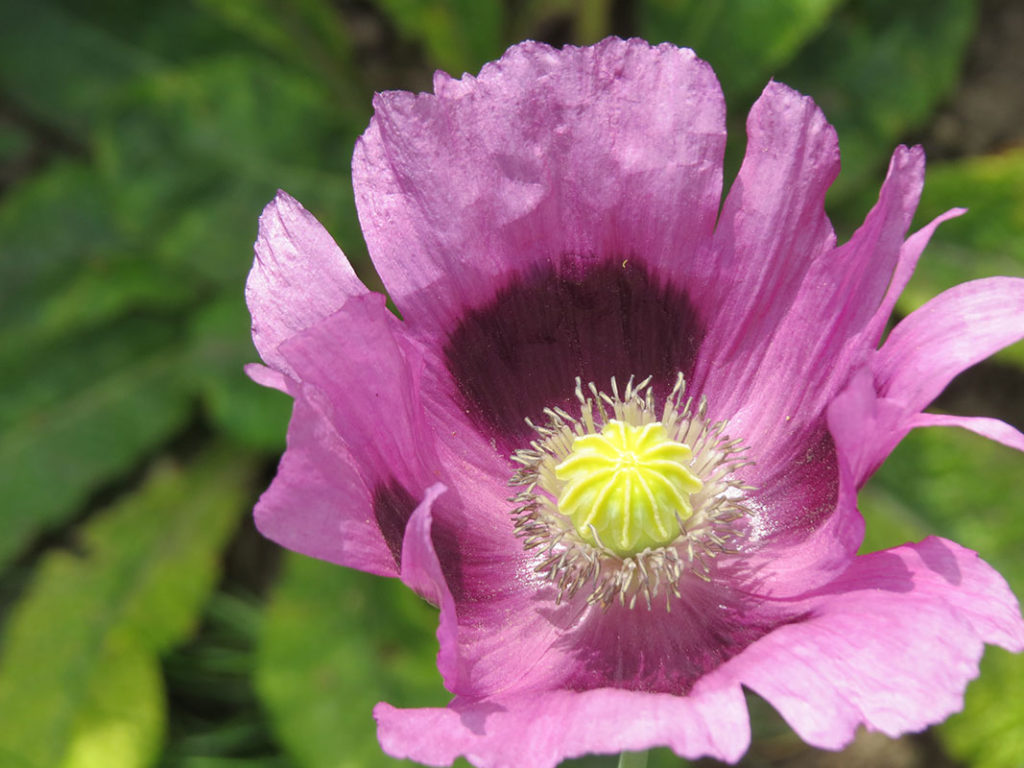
<point x="78" y="671"/>
<point x="254" y="415"/>
<point x="120" y="720"/>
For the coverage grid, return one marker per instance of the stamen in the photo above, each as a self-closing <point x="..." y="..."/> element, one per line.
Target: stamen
<point x="624" y="498"/>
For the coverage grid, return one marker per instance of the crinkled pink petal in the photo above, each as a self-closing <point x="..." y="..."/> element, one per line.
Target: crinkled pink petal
<point x="421" y="571"/>
<point x="368" y="376"/>
<point x="360" y="453"/>
<point x="539" y="730"/>
<point x="503" y="637"/>
<point x="811" y="342"/>
<point x="823" y="335"/>
<point x="455" y="195"/>
<point x="817" y="341"/>
<point x="299" y="277"/>
<point x="921" y="356"/>
<point x="891" y="645"/>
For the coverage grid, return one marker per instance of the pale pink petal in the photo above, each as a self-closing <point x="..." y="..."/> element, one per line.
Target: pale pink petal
<point x="270" y="377"/>
<point x="540" y="729"/>
<point x="891" y="645"/>
<point x="299" y="277"/>
<point x="950" y="333"/>
<point x="993" y="429"/>
<point x="606" y="153"/>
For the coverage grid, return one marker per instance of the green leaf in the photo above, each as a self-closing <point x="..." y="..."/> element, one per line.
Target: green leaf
<point x="79" y="670"/>
<point x="61" y="69"/>
<point x="745" y="41"/>
<point x="312" y="35"/>
<point x="203" y="149"/>
<point x="878" y="71"/>
<point x="48" y="226"/>
<point x="335" y="642"/>
<point x="254" y="415"/>
<point x="458" y="35"/>
<point x="956" y="484"/>
<point x="71" y="264"/>
<point x="77" y="416"/>
<point x="121" y="716"/>
<point x="15" y="148"/>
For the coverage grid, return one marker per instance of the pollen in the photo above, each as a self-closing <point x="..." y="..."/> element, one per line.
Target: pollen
<point x="628" y="487"/>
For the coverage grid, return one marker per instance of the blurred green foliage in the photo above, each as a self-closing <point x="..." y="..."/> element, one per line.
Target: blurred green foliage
<point x="138" y="143"/>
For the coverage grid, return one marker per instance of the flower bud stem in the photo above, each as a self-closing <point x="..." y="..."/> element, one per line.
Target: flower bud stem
<point x="633" y="759"/>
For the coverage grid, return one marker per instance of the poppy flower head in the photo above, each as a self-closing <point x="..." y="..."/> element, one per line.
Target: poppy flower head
<point x="618" y="434"/>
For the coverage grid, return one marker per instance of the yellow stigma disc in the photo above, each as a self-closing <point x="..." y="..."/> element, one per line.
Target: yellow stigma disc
<point x="628" y="484"/>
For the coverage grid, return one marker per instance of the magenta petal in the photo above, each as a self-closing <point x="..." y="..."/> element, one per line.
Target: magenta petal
<point x="892" y="645"/>
<point x="539" y="730"/>
<point x="950" y="333"/>
<point x="367" y="375"/>
<point x="822" y="334"/>
<point x="772" y="226"/>
<point x="318" y="504"/>
<point x="833" y="304"/>
<point x="421" y="571"/>
<point x="299" y="277"/>
<point x="455" y="193"/>
<point x="360" y="453"/>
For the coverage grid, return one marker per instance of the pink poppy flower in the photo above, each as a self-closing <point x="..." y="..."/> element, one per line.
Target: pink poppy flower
<point x="618" y="433"/>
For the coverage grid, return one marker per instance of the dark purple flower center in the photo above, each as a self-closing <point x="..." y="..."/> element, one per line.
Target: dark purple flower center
<point x="521" y="352"/>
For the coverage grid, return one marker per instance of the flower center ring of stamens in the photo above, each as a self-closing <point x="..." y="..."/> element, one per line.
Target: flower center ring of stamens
<point x="627" y="498"/>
